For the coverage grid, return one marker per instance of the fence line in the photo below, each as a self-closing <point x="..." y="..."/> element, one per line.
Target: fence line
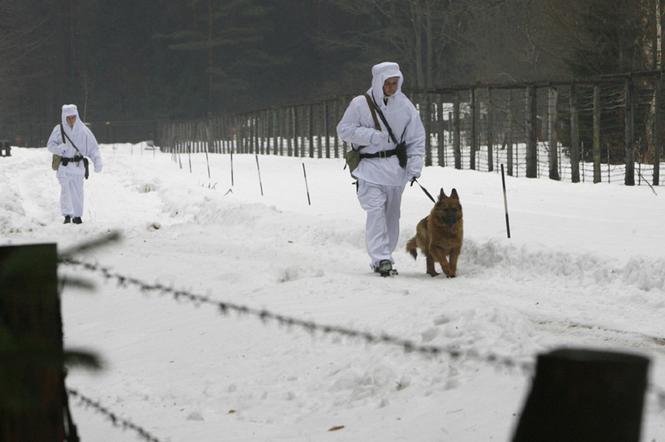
<point x="575" y="130"/>
<point x="224" y="308"/>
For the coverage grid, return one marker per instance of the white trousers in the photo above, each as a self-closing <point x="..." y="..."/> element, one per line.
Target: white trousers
<point x="71" y="195"/>
<point x="382" y="204"/>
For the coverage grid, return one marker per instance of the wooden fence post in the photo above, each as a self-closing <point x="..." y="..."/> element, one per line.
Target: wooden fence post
<point x="659" y="130"/>
<point x="510" y="138"/>
<point x="553" y="104"/>
<point x="427" y="116"/>
<point x="281" y="125"/>
<point x="441" y="138"/>
<point x="296" y="144"/>
<point x="457" y="138"/>
<point x="326" y="128"/>
<point x="629" y="147"/>
<point x="574" y="136"/>
<point x="596" y="134"/>
<point x="336" y="114"/>
<point x="532" y="133"/>
<point x="31" y="407"/>
<point x="584" y="395"/>
<point x="474" y="130"/>
<point x="310" y="130"/>
<point x="490" y="131"/>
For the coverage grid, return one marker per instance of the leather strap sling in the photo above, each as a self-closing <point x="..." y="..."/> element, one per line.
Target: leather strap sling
<point x="372" y="109"/>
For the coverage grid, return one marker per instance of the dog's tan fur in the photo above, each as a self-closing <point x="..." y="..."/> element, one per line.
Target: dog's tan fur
<point x="440" y="241"/>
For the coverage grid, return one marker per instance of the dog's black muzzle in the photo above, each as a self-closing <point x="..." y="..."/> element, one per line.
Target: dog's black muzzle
<point x="450" y="216"/>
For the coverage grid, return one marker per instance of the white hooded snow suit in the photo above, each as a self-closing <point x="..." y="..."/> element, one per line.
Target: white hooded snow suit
<point x="381" y="181"/>
<point x="71" y="176"/>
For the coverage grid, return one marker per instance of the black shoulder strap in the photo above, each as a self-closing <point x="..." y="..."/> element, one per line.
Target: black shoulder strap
<point x="64" y="135"/>
<point x="372" y="109"/>
<point x="383" y="118"/>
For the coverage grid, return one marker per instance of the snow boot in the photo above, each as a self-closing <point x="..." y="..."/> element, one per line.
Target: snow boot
<point x="385" y="268"/>
<point x="77" y="220"/>
<point x="68" y="219"/>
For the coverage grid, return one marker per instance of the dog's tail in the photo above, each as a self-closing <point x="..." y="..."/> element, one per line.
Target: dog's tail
<point x="412" y="247"/>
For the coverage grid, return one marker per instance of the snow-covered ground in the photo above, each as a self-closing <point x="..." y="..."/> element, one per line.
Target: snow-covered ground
<point x="585" y="267"/>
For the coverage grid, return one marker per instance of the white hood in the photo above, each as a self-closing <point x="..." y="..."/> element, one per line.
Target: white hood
<point x="380" y="73"/>
<point x="67" y="111"/>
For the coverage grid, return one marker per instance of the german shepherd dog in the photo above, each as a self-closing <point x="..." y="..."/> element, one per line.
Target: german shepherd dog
<point x="439" y="235"/>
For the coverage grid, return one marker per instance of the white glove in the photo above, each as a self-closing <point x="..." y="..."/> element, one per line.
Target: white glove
<point x="66" y="150"/>
<point x="380" y="138"/>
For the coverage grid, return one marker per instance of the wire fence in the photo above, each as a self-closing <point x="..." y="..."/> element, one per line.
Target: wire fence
<point x="525" y="367"/>
<point x="311" y="327"/>
<point x="606" y="129"/>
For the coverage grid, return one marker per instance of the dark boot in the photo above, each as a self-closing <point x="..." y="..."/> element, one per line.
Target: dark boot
<point x="68" y="219"/>
<point x="385" y="268"/>
<point x="77" y="220"/>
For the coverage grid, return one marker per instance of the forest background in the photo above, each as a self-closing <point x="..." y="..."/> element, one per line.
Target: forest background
<point x="156" y="59"/>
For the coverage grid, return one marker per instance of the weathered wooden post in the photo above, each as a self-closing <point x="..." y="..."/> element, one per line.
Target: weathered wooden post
<point x="318" y="128"/>
<point x="629" y="132"/>
<point x="552" y="113"/>
<point x="490" y="130"/>
<point x="596" y="133"/>
<point x="282" y="125"/>
<point x="310" y="130"/>
<point x="510" y="138"/>
<point x="532" y="133"/>
<point x="441" y="144"/>
<point x="336" y="114"/>
<point x="262" y="126"/>
<point x="574" y="136"/>
<point x="255" y="132"/>
<point x="584" y="395"/>
<point x="290" y="131"/>
<point x="326" y="128"/>
<point x="427" y="116"/>
<point x="31" y="406"/>
<point x="658" y="128"/>
<point x="457" y="137"/>
<point x="474" y="130"/>
<point x="296" y="144"/>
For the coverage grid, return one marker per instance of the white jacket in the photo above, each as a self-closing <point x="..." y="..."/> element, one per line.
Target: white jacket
<point x="357" y="127"/>
<point x="82" y="138"/>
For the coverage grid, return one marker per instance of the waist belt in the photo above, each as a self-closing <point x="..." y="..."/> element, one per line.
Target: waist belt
<point x="380" y="154"/>
<point x="74" y="159"/>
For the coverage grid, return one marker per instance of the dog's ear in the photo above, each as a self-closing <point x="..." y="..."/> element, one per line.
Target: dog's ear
<point x="442" y="194"/>
<point x="453" y="194"/>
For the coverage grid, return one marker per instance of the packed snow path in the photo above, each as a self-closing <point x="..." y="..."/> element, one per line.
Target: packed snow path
<point x="585" y="267"/>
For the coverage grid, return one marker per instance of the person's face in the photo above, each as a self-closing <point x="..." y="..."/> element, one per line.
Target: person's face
<point x="390" y="86"/>
<point x="71" y="120"/>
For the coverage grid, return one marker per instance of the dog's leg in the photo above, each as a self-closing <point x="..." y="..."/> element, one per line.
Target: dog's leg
<point x="441" y="257"/>
<point x="430" y="265"/>
<point x="453" y="264"/>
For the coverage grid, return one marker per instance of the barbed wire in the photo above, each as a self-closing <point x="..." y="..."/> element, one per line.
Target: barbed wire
<point x="116" y="420"/>
<point x="266" y="316"/>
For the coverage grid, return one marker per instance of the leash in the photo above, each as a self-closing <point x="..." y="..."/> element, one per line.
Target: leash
<point x="424" y="190"/>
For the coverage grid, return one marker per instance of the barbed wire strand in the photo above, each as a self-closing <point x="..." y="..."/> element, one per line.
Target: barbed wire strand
<point x="408" y="346"/>
<point x="116" y="420"/>
<point x="103" y="240"/>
